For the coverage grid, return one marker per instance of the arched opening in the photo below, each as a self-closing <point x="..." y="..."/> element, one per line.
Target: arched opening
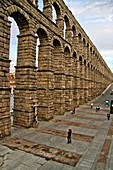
<point x="14" y="31"/>
<point x="74" y="68"/>
<point x="66" y="26"/>
<point x="91" y="49"/>
<point x="80" y="59"/>
<point x="21" y="71"/>
<point x="41" y="41"/>
<point x="74" y="55"/>
<point x="56" y="12"/>
<point x="43" y="76"/>
<point x="84" y="42"/>
<point x="69" y="79"/>
<point x="56" y="44"/>
<point x="79" y="36"/>
<point x="73" y="31"/>
<point x="85" y="62"/>
<point x="37" y="49"/>
<point x="54" y="16"/>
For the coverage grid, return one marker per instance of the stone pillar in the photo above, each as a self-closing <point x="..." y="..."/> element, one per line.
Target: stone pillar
<point x="92" y="84"/>
<point x="60" y="24"/>
<point x="68" y="35"/>
<point x="81" y="82"/>
<point x="47" y="9"/>
<point x="5" y="120"/>
<point x="76" y="44"/>
<point x="76" y="83"/>
<point x="87" y="52"/>
<point x="45" y="82"/>
<point x="86" y="84"/>
<point x="80" y="47"/>
<point x="25" y="78"/>
<point x="59" y="82"/>
<point x="69" y="83"/>
<point x="89" y="84"/>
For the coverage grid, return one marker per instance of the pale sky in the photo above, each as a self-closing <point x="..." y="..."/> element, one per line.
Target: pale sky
<point x="95" y="17"/>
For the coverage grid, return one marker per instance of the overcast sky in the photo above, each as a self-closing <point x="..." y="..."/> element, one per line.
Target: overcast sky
<point x="96" y="18"/>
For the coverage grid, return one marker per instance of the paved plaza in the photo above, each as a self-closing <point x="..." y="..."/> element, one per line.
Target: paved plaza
<point x="46" y="147"/>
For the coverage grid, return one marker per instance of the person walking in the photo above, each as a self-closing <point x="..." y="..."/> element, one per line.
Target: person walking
<point x="69" y="136"/>
<point x="91" y="105"/>
<point x="108" y="116"/>
<point x="73" y="111"/>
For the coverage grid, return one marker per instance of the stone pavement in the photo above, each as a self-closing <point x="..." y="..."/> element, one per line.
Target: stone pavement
<point x="46" y="148"/>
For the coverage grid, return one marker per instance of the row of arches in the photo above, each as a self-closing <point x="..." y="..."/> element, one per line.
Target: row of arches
<point x="69" y="28"/>
<point x="69" y="72"/>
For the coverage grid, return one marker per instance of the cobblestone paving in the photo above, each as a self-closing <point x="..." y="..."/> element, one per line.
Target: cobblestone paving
<point x="46" y="148"/>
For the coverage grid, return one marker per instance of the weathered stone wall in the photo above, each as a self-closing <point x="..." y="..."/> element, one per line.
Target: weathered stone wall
<point x="70" y="70"/>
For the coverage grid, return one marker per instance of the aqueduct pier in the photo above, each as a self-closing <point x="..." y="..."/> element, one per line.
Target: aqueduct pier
<point x="70" y="70"/>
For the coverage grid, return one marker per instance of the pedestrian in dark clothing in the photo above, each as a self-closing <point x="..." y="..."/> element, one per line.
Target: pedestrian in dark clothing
<point x="97" y="108"/>
<point x="73" y="111"/>
<point x="91" y="105"/>
<point x="69" y="136"/>
<point x="108" y="116"/>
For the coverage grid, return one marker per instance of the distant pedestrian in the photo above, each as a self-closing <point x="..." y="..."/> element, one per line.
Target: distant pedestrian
<point x="69" y="136"/>
<point x="91" y="105"/>
<point x="108" y="116"/>
<point x="36" y="118"/>
<point x="73" y="111"/>
<point x="97" y="108"/>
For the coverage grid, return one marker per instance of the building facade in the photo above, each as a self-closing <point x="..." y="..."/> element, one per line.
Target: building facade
<point x="70" y="69"/>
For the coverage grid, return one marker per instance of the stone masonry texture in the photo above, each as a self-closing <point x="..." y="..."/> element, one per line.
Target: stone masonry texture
<point x="70" y="69"/>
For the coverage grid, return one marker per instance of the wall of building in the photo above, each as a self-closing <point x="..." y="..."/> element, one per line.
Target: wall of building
<point x="70" y="70"/>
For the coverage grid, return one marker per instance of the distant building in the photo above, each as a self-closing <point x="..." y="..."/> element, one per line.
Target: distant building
<point x="12" y="80"/>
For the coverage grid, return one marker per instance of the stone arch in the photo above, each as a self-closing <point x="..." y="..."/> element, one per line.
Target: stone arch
<point x="79" y="36"/>
<point x="73" y="31"/>
<point x="69" y="78"/>
<point x="91" y="49"/>
<point x="74" y="62"/>
<point x="88" y="45"/>
<point x="80" y="58"/>
<point x="88" y="65"/>
<point x="67" y="53"/>
<point x="57" y="10"/>
<point x="81" y="73"/>
<point x="55" y="38"/>
<point x="56" y="44"/>
<point x="25" y="71"/>
<point x="21" y="18"/>
<point x="66" y="19"/>
<point x="67" y="50"/>
<point x="67" y="29"/>
<point x="42" y="36"/>
<point x="84" y="41"/>
<point x="85" y="62"/>
<point x="42" y="39"/>
<point x="74" y="55"/>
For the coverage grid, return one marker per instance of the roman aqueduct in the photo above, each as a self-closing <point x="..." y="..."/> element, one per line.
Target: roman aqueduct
<point x="70" y="70"/>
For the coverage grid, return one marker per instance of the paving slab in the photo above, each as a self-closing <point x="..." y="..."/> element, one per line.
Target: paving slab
<point x="85" y="123"/>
